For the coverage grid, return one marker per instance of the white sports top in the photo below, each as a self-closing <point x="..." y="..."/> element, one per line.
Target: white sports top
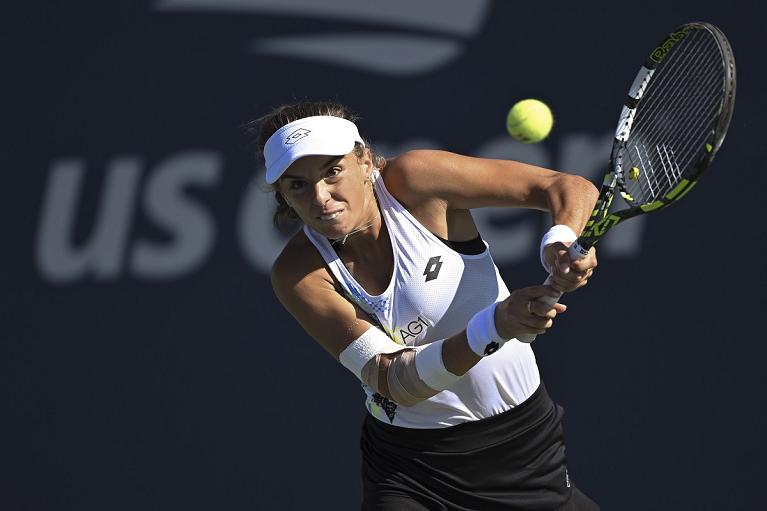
<point x="433" y="293"/>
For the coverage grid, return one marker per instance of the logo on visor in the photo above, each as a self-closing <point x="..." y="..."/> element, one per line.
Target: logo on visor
<point x="297" y="135"/>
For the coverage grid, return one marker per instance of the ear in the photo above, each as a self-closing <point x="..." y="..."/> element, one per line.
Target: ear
<point x="368" y="162"/>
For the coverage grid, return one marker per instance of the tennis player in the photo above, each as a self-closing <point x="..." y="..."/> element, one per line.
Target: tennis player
<point x="390" y="275"/>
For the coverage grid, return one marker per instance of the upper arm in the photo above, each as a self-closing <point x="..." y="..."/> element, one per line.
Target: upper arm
<point x="307" y="291"/>
<point x="465" y="182"/>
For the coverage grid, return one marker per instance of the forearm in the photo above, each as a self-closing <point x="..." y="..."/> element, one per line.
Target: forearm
<point x="457" y="355"/>
<point x="414" y="375"/>
<point x="570" y="200"/>
<point x="409" y="375"/>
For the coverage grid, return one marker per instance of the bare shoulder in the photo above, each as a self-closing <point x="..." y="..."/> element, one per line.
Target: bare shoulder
<point x="409" y="172"/>
<point x="298" y="266"/>
<point x="409" y="176"/>
<point x="305" y="288"/>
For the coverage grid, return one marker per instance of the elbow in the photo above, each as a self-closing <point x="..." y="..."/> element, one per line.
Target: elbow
<point x="381" y="375"/>
<point x="590" y="189"/>
<point x="398" y="380"/>
<point x="585" y="186"/>
<point x="581" y="187"/>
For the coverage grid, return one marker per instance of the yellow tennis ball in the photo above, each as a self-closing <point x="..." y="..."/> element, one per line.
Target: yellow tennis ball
<point x="529" y="121"/>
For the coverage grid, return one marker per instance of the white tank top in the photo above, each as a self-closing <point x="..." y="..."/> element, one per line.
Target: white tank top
<point x="433" y="293"/>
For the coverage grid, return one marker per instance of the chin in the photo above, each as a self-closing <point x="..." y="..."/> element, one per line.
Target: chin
<point x="331" y="231"/>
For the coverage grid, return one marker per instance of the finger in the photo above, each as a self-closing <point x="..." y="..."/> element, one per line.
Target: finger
<point x="545" y="310"/>
<point x="533" y="292"/>
<point x="564" y="284"/>
<point x="571" y="279"/>
<point x="563" y="262"/>
<point x="536" y="322"/>
<point x="588" y="262"/>
<point x="583" y="265"/>
<point x="552" y="312"/>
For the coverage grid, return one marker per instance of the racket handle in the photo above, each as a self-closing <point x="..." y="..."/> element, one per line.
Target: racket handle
<point x="576" y="252"/>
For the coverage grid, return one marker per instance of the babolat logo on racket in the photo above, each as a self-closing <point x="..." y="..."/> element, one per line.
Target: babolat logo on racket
<point x="297" y="135"/>
<point x="665" y="47"/>
<point x="599" y="228"/>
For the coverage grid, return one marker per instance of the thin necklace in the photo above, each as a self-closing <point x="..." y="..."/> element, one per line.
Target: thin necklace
<point x="359" y="229"/>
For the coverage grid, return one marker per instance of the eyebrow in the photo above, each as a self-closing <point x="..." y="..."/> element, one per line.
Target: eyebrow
<point x="330" y="161"/>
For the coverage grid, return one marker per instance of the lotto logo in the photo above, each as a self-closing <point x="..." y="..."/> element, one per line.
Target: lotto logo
<point x="432" y="268"/>
<point x="297" y="135"/>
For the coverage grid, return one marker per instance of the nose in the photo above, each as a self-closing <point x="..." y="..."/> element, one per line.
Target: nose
<point x="321" y="192"/>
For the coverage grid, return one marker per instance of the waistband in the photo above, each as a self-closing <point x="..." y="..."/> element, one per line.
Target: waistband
<point x="470" y="435"/>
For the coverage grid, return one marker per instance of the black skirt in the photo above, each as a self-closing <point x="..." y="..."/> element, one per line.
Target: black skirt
<point x="514" y="460"/>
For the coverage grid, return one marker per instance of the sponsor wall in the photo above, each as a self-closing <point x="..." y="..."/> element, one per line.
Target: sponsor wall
<point x="147" y="364"/>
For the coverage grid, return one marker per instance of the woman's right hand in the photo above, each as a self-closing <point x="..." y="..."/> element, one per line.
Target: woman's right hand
<point x="523" y="314"/>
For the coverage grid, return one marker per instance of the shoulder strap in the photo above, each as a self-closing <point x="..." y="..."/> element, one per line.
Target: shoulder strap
<point x="351" y="288"/>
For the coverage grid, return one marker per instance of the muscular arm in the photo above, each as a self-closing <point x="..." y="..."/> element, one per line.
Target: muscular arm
<point x="463" y="182"/>
<point x="307" y="291"/>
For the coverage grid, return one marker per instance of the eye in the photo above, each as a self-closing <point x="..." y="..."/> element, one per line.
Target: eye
<point x="332" y="173"/>
<point x="295" y="185"/>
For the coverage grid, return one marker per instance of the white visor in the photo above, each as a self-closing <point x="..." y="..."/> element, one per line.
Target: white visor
<point x="319" y="135"/>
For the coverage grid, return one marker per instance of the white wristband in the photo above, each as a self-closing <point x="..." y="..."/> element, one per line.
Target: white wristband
<point x="557" y="233"/>
<point x="431" y="368"/>
<point x="481" y="333"/>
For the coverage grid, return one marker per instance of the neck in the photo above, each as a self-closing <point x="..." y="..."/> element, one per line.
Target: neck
<point x="342" y="241"/>
<point x="369" y="229"/>
<point x="373" y="226"/>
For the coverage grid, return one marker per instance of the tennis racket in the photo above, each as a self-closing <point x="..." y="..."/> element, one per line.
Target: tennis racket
<point x="671" y="126"/>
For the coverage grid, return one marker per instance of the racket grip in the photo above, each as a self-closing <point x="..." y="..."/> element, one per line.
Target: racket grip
<point x="576" y="252"/>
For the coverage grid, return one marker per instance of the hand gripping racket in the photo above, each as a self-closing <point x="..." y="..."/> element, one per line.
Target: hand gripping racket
<point x="673" y="123"/>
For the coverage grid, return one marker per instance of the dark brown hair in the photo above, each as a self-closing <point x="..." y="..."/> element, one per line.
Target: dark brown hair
<point x="268" y="124"/>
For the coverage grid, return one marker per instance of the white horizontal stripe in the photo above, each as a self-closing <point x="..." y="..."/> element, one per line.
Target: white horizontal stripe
<point x="461" y="17"/>
<point x="392" y="54"/>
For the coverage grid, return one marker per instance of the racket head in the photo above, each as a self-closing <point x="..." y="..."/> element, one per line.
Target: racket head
<point x="672" y="124"/>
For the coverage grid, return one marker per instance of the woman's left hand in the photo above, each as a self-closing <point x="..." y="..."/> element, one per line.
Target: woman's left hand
<point x="567" y="275"/>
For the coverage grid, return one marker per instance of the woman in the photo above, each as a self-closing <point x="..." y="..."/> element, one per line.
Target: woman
<point x="391" y="277"/>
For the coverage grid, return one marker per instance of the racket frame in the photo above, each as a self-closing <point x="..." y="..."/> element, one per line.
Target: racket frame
<point x="602" y="219"/>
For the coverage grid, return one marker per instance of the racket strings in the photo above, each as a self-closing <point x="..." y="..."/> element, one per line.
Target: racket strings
<point x="675" y="77"/>
<point x="667" y="160"/>
<point x="690" y="154"/>
<point x="665" y="88"/>
<point x="708" y="99"/>
<point x="672" y="163"/>
<point x="674" y="118"/>
<point x="685" y="125"/>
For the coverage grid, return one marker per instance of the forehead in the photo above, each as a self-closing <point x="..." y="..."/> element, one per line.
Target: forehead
<point x="308" y="166"/>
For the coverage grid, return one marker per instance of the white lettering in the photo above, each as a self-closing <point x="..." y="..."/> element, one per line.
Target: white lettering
<point x="62" y="258"/>
<point x="101" y="255"/>
<point x="260" y="241"/>
<point x="191" y="227"/>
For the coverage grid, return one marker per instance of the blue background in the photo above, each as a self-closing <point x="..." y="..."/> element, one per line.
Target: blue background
<point x="191" y="388"/>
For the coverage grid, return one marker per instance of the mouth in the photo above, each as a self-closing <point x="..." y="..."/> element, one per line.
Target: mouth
<point x="330" y="216"/>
